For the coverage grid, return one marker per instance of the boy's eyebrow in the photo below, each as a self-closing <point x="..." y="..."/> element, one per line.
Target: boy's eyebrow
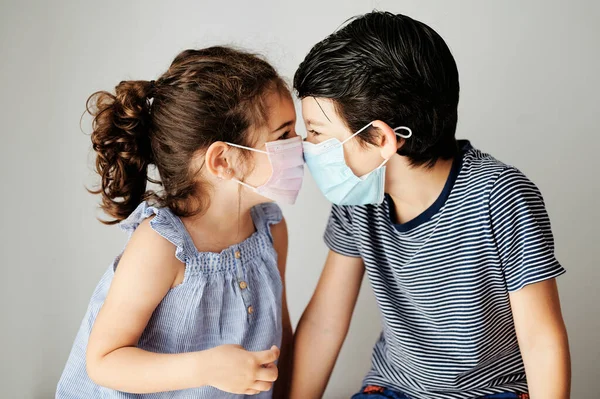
<point x="285" y="124"/>
<point x="314" y="123"/>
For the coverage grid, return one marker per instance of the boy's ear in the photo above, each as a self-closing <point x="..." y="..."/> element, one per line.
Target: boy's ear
<point x="389" y="142"/>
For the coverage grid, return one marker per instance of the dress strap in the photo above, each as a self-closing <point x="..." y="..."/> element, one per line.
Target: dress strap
<point x="265" y="215"/>
<point x="166" y="224"/>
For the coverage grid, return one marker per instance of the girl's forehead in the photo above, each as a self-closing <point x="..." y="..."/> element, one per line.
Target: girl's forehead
<point x="280" y="110"/>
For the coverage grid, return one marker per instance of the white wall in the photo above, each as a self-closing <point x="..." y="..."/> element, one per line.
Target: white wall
<point x="529" y="75"/>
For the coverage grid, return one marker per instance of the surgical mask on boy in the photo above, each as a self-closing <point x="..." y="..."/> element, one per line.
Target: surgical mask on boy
<point x="337" y="181"/>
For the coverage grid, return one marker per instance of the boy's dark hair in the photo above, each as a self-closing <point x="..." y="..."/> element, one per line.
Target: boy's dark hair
<point x="382" y="66"/>
<point x="206" y="95"/>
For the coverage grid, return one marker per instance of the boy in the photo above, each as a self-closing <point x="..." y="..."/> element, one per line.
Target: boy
<point x="457" y="245"/>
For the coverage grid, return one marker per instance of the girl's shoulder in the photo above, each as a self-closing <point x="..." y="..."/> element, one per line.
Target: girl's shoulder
<point x="266" y="215"/>
<point x="151" y="219"/>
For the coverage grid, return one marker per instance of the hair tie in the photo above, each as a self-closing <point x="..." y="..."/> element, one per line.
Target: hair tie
<point x="152" y="88"/>
<point x="151" y="94"/>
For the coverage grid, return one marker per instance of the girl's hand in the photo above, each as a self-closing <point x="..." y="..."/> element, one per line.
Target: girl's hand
<point x="236" y="370"/>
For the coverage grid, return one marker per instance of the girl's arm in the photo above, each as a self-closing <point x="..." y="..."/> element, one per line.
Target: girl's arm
<point x="147" y="270"/>
<point x="543" y="340"/>
<point x="282" y="386"/>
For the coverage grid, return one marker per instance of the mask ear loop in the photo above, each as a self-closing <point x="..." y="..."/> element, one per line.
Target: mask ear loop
<point x="249" y="149"/>
<point x="357" y="133"/>
<point x="404" y="136"/>
<point x="243" y="184"/>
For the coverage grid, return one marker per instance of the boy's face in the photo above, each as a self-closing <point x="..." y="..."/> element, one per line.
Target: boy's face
<point x="323" y="123"/>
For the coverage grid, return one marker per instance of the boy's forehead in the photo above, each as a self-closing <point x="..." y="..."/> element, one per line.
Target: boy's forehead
<point x="319" y="111"/>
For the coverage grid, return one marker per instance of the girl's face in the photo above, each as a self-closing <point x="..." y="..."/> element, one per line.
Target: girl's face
<point x="228" y="166"/>
<point x="281" y="122"/>
<point x="323" y="123"/>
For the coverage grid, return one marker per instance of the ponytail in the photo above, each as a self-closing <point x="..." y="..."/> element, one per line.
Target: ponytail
<point x="121" y="140"/>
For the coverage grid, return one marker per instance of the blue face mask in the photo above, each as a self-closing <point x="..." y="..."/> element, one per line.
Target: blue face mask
<point x="337" y="181"/>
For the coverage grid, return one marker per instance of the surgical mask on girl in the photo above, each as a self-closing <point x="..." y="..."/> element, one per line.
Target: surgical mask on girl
<point x="287" y="164"/>
<point x="337" y="181"/>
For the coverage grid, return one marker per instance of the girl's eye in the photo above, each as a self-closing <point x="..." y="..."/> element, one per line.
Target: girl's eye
<point x="284" y="136"/>
<point x="314" y="132"/>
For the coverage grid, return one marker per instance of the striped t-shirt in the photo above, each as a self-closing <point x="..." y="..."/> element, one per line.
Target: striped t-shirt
<point x="442" y="279"/>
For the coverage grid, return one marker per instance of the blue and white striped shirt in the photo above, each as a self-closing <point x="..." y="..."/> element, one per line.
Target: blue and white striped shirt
<point x="442" y="280"/>
<point x="231" y="297"/>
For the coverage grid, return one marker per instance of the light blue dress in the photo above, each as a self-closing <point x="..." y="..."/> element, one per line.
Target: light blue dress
<point x="232" y="297"/>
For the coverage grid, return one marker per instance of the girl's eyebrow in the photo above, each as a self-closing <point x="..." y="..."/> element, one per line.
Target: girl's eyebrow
<point x="285" y="124"/>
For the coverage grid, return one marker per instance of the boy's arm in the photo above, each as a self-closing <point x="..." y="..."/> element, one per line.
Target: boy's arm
<point x="525" y="244"/>
<point x="324" y="325"/>
<point x="543" y="340"/>
<point x="281" y="388"/>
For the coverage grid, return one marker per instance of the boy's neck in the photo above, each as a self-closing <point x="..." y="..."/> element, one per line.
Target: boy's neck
<point x="414" y="189"/>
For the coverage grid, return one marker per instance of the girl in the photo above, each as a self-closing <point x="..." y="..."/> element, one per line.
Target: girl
<point x="195" y="305"/>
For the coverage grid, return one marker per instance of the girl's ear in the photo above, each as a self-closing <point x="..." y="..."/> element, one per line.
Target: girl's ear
<point x="217" y="162"/>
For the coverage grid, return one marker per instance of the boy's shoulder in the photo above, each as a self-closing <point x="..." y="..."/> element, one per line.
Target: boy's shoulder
<point x="478" y="165"/>
<point x="485" y="175"/>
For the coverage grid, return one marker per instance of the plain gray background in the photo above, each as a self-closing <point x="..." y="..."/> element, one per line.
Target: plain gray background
<point x="529" y="77"/>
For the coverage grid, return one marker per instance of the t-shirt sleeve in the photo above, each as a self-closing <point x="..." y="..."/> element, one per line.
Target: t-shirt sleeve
<point x="338" y="234"/>
<point x="522" y="231"/>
